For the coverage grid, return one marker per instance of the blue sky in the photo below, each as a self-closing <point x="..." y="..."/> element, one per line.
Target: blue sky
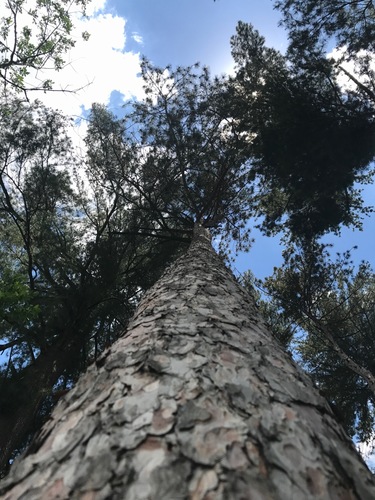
<point x="177" y="32"/>
<point x="186" y="31"/>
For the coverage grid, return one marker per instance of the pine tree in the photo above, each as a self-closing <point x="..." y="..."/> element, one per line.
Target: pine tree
<point x="330" y="306"/>
<point x="196" y="400"/>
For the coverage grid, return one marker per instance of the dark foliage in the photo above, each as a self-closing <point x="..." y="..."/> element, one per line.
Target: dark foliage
<point x="332" y="306"/>
<point x="311" y="142"/>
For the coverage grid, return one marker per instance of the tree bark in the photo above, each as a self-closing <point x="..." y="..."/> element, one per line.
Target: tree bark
<point x="196" y="400"/>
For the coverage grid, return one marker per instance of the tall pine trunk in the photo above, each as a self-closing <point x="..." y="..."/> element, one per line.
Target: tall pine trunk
<point x="197" y="401"/>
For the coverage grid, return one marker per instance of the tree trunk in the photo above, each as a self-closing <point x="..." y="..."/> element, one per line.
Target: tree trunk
<point x="196" y="401"/>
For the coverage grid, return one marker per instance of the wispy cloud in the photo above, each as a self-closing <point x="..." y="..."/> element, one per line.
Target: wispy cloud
<point x="137" y="38"/>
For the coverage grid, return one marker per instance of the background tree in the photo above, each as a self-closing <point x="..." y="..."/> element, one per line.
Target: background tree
<point x="311" y="142"/>
<point x="348" y="25"/>
<point x="315" y="28"/>
<point x="32" y="37"/>
<point x="300" y="119"/>
<point x="69" y="266"/>
<point x="333" y="309"/>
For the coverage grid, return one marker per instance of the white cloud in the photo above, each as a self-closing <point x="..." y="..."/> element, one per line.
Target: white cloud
<point x="97" y="66"/>
<point x="137" y="38"/>
<point x="95" y="6"/>
<point x="93" y="70"/>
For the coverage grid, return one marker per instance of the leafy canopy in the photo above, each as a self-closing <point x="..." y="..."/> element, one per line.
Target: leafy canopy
<point x="313" y="24"/>
<point x="334" y="32"/>
<point x="35" y="35"/>
<point x="192" y="164"/>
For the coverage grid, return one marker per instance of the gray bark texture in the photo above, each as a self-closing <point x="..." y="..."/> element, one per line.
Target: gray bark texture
<point x="196" y="401"/>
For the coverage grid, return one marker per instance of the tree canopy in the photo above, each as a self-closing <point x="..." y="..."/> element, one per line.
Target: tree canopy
<point x="311" y="142"/>
<point x="35" y="36"/>
<point x="333" y="33"/>
<point x="331" y="305"/>
<point x="312" y="24"/>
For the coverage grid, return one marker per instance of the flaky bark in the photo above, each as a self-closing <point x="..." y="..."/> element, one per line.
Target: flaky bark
<point x="195" y="401"/>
